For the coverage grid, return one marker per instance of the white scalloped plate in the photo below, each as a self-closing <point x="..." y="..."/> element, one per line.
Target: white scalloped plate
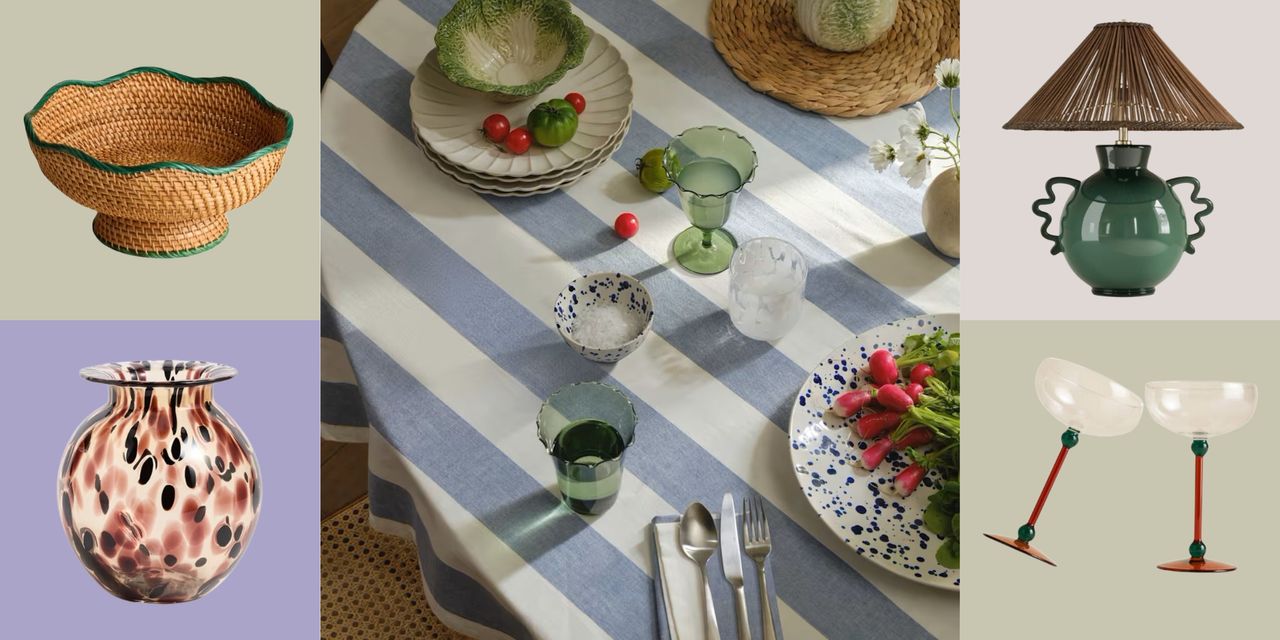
<point x="448" y="117"/>
<point x="538" y="181"/>
<point x="859" y="505"/>
<point x="491" y="187"/>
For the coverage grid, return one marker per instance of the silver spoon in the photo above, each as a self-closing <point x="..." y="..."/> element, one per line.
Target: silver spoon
<point x="698" y="540"/>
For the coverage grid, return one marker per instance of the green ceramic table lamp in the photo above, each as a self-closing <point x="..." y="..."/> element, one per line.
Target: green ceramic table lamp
<point x="1123" y="229"/>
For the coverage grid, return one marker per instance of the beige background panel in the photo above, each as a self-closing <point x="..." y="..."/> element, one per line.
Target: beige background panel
<point x="51" y="265"/>
<point x="1121" y="505"/>
<point x="1008" y="54"/>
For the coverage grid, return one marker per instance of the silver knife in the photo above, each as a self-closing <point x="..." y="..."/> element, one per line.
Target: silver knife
<point x="731" y="558"/>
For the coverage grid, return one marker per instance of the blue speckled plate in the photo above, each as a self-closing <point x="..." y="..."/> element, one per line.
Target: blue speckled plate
<point x="860" y="505"/>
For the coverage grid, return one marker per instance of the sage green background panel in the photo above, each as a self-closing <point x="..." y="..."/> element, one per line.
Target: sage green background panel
<point x="52" y="266"/>
<point x="1121" y="505"/>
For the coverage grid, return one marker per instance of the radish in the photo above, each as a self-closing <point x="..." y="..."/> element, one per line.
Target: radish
<point x="850" y="402"/>
<point x="920" y="372"/>
<point x="906" y="482"/>
<point x="914" y="390"/>
<point x="874" y="424"/>
<point x="875" y="453"/>
<point x="882" y="367"/>
<point x="914" y="438"/>
<point x="894" y="398"/>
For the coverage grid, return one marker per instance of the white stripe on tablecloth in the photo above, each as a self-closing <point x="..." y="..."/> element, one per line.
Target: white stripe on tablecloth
<point x="481" y="554"/>
<point x="844" y="225"/>
<point x="727" y="427"/>
<point x="393" y="318"/>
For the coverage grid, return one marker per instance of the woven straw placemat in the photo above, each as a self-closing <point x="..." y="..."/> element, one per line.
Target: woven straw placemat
<point x="370" y="587"/>
<point x="761" y="42"/>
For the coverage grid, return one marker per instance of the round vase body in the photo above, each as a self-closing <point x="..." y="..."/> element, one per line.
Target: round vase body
<point x="1123" y="231"/>
<point x="941" y="212"/>
<point x="159" y="489"/>
<point x="845" y="25"/>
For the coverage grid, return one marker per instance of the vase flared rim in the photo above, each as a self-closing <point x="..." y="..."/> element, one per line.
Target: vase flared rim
<point x="158" y="373"/>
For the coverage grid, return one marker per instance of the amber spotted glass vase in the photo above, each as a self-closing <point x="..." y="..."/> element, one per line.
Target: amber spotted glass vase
<point x="159" y="489"/>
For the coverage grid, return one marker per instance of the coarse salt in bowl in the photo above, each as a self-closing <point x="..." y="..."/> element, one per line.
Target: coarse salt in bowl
<point x="604" y="316"/>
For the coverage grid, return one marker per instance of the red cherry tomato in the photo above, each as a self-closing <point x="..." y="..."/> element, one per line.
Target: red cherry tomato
<point x="496" y="127"/>
<point x="627" y="224"/>
<point x="518" y="140"/>
<point x="579" y="103"/>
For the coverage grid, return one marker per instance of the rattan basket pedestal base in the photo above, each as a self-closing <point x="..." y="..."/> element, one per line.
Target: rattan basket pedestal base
<point x="160" y="239"/>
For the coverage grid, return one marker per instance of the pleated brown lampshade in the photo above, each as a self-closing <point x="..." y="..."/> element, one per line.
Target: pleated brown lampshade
<point x="1123" y="76"/>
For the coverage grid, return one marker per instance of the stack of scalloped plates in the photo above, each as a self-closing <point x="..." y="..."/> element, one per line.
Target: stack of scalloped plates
<point x="447" y="120"/>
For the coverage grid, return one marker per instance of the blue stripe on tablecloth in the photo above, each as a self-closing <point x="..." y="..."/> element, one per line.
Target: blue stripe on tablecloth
<point x="810" y="138"/>
<point x="341" y="404"/>
<point x="757" y="372"/>
<point x="816" y="583"/>
<point x="328" y="324"/>
<point x="453" y="590"/>
<point x="513" y="505"/>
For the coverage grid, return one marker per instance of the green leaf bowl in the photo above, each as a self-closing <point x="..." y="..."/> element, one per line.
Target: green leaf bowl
<point x="510" y="49"/>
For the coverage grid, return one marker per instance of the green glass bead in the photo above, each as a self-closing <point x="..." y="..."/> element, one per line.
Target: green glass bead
<point x="1026" y="532"/>
<point x="1197" y="549"/>
<point x="1070" y="437"/>
<point x="1199" y="447"/>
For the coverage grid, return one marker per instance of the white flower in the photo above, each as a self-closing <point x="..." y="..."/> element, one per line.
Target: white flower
<point x="947" y="73"/>
<point x="915" y="161"/>
<point x="916" y="126"/>
<point x="882" y="155"/>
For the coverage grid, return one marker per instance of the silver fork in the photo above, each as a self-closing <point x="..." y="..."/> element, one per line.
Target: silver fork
<point x="755" y="537"/>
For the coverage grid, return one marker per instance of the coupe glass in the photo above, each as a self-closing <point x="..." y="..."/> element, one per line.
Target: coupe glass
<point x="1200" y="410"/>
<point x="709" y="166"/>
<point x="1087" y="402"/>
<point x="587" y="427"/>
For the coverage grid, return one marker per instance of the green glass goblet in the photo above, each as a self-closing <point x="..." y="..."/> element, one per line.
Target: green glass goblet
<point x="587" y="427"/>
<point x="709" y="166"/>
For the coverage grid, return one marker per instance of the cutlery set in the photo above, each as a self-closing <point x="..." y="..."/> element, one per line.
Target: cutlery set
<point x="699" y="539"/>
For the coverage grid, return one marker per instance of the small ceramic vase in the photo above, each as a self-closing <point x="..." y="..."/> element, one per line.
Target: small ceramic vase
<point x="845" y="25"/>
<point x="1123" y="230"/>
<point x="159" y="489"/>
<point x="941" y="212"/>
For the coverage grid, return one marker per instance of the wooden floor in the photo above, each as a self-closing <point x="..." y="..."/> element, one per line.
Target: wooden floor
<point x="344" y="467"/>
<point x="337" y="19"/>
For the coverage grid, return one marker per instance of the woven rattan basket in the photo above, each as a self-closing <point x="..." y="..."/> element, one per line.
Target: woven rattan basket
<point x="160" y="156"/>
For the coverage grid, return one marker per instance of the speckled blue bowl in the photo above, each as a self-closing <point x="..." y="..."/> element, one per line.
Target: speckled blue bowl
<point x="603" y="288"/>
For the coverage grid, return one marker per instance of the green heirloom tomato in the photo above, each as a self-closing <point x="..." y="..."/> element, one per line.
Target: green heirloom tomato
<point x="553" y="122"/>
<point x="652" y="174"/>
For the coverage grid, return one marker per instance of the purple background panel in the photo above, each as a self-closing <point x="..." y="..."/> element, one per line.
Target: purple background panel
<point x="274" y="591"/>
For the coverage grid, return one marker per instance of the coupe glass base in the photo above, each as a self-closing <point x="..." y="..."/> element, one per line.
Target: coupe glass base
<point x="1197" y="566"/>
<point x="1124" y="293"/>
<point x="1019" y="545"/>
<point x="692" y="255"/>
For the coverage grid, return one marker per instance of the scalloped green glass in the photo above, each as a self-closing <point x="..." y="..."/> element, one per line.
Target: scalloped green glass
<point x="512" y="49"/>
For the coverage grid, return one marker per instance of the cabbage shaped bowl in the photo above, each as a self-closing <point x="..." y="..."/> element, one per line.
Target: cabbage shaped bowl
<point x="510" y="49"/>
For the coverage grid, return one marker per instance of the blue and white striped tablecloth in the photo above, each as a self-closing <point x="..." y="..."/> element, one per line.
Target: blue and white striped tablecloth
<point x="438" y="331"/>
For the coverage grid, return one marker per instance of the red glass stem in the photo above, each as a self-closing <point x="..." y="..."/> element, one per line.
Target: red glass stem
<point x="1048" y="484"/>
<point x="1199" y="479"/>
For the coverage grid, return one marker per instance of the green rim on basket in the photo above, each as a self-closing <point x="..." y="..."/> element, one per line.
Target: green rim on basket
<point x="164" y="254"/>
<point x="153" y="166"/>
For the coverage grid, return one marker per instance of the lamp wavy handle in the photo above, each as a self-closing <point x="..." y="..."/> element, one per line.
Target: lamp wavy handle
<point x="1195" y="197"/>
<point x="1048" y="219"/>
